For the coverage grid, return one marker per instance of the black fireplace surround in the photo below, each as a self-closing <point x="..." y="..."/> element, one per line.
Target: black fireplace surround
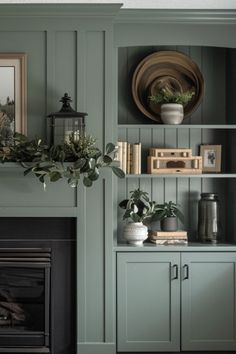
<point x="37" y="285"/>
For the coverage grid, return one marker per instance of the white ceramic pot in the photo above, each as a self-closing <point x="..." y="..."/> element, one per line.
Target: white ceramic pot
<point x="172" y="113"/>
<point x="135" y="233"/>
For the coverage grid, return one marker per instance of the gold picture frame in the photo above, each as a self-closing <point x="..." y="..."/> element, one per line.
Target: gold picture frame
<point x="13" y="95"/>
<point x="211" y="158"/>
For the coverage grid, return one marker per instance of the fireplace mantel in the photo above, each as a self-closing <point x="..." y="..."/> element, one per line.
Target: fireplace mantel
<point x="23" y="196"/>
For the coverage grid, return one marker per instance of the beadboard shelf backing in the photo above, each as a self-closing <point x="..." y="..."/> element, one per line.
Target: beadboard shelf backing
<point x="214" y="123"/>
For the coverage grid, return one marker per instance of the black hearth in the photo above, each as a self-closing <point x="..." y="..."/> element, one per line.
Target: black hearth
<point x="25" y="299"/>
<point x="38" y="267"/>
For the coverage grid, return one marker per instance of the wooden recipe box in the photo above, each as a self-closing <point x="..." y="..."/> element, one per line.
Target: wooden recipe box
<point x="156" y="152"/>
<point x="180" y="165"/>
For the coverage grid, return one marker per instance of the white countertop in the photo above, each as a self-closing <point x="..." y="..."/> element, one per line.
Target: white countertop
<point x="190" y="247"/>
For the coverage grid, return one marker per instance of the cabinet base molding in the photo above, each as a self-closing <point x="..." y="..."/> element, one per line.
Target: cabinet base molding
<point x="183" y="352"/>
<point x="98" y="348"/>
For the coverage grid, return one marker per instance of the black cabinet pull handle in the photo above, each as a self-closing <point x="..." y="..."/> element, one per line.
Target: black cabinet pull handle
<point x="186" y="272"/>
<point x="176" y="271"/>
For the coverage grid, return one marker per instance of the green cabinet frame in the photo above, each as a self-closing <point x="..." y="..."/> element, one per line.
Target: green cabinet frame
<point x="173" y="301"/>
<point x="148" y="310"/>
<point x="209" y="301"/>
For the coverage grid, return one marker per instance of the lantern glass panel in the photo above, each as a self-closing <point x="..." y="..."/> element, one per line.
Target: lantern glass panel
<point x="65" y="128"/>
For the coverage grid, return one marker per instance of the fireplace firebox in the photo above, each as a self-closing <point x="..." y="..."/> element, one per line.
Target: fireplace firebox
<point x="38" y="285"/>
<point x="25" y="300"/>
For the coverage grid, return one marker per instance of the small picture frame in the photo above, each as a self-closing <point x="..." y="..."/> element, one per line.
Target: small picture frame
<point x="211" y="158"/>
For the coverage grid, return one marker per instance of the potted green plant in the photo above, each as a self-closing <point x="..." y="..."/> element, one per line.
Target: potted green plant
<point x="172" y="104"/>
<point x="139" y="211"/>
<point x="168" y="213"/>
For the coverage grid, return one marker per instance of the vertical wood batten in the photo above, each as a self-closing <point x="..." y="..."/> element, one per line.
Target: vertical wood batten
<point x="50" y="69"/>
<point x="81" y="266"/>
<point x="95" y="91"/>
<point x="122" y="75"/>
<point x="81" y="221"/>
<point x="95" y="84"/>
<point x="65" y="52"/>
<point x="122" y="194"/>
<point x="81" y="87"/>
<point x="110" y="90"/>
<point x="110" y="213"/>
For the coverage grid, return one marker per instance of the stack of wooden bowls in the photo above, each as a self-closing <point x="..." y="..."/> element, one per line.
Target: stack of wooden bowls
<point x="166" y="69"/>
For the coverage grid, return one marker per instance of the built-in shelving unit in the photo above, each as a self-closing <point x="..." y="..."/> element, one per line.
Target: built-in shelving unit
<point x="212" y="123"/>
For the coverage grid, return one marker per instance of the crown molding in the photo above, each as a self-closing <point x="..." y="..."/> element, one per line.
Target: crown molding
<point x="176" y="16"/>
<point x="60" y="10"/>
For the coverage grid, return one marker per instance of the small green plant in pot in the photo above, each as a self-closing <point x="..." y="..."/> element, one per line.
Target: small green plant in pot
<point x="172" y="104"/>
<point x="168" y="213"/>
<point x="139" y="211"/>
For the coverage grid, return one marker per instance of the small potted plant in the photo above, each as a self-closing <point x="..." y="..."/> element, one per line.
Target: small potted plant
<point x="168" y="213"/>
<point x="172" y="104"/>
<point x="139" y="211"/>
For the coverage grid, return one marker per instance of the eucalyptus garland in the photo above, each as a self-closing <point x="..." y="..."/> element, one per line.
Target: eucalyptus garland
<point x="73" y="160"/>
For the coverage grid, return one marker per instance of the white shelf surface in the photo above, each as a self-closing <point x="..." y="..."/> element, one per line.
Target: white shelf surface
<point x="202" y="175"/>
<point x="177" y="126"/>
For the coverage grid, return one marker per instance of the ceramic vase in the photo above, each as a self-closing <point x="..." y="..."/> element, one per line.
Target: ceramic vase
<point x="135" y="233"/>
<point x="169" y="224"/>
<point x="172" y="113"/>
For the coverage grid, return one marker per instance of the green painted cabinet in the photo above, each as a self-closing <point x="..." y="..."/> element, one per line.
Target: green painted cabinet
<point x="208" y="301"/>
<point x="148" y="309"/>
<point x="173" y="301"/>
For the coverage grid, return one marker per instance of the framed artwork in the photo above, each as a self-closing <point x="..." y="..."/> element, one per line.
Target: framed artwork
<point x="13" y="98"/>
<point x="211" y="158"/>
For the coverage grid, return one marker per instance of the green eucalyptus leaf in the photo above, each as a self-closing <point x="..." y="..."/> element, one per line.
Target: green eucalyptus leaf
<point x="41" y="178"/>
<point x="94" y="175"/>
<point x="55" y="176"/>
<point x="72" y="182"/>
<point x="87" y="182"/>
<point x="92" y="163"/>
<point x="107" y="159"/>
<point x="26" y="172"/>
<point x="118" y="171"/>
<point x="135" y="217"/>
<point x="123" y="204"/>
<point x="110" y="148"/>
<point x="127" y="214"/>
<point x="78" y="164"/>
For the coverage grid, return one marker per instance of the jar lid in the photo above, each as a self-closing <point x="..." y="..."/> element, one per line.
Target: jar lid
<point x="209" y="195"/>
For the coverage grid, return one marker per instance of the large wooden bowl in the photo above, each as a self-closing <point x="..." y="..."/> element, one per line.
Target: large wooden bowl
<point x="166" y="68"/>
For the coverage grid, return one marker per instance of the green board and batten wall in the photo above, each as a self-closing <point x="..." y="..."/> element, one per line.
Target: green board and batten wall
<point x="75" y="49"/>
<point x="69" y="49"/>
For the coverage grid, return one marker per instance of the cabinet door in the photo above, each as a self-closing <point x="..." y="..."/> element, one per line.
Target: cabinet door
<point x="208" y="301"/>
<point x="148" y="299"/>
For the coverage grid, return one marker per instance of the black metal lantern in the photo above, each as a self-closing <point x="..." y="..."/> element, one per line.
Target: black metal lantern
<point x="66" y="124"/>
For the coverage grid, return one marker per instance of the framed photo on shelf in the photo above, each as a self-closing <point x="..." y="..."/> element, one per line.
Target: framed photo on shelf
<point x="211" y="158"/>
<point x="12" y="96"/>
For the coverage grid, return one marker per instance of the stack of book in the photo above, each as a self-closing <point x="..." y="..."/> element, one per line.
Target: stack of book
<point x="129" y="156"/>
<point x="169" y="237"/>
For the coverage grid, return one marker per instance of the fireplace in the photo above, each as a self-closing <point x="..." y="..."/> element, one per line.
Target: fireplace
<point x="38" y="285"/>
<point x="25" y="300"/>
